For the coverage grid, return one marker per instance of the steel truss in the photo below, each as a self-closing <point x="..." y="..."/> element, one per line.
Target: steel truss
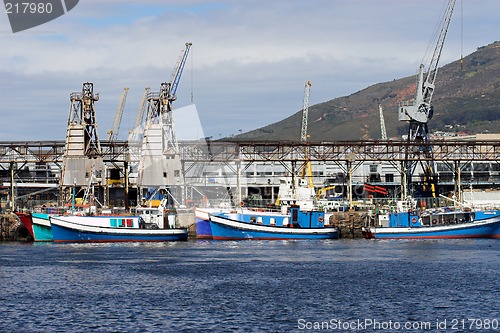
<point x="228" y="151"/>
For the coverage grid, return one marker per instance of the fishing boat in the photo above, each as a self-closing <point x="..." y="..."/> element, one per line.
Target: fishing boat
<point x="297" y="224"/>
<point x="42" y="230"/>
<point x="25" y="218"/>
<point x="443" y="223"/>
<point x="85" y="229"/>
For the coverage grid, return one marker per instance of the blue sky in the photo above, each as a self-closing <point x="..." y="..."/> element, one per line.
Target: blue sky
<point x="247" y="66"/>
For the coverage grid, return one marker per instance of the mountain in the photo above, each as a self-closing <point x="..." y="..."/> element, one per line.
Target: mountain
<point x="466" y="99"/>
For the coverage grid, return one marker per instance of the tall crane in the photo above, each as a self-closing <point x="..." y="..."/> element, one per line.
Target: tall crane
<point x="160" y="105"/>
<point x="113" y="132"/>
<point x="419" y="110"/>
<point x="303" y="135"/>
<point x="383" y="130"/>
<point x="160" y="165"/>
<point x="167" y="96"/>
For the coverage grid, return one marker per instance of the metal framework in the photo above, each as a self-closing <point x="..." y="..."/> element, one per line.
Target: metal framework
<point x="452" y="150"/>
<point x="227" y="151"/>
<point x="82" y="112"/>
<point x="236" y="157"/>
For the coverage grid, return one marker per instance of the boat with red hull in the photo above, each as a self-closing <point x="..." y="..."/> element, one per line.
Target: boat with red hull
<point x="27" y="221"/>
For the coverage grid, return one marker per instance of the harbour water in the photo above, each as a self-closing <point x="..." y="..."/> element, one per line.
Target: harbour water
<point x="251" y="286"/>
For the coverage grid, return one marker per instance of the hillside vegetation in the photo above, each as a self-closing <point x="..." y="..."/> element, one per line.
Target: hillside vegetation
<point x="467" y="99"/>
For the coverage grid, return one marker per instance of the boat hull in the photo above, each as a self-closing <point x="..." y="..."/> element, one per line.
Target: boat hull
<point x="224" y="228"/>
<point x="65" y="230"/>
<point x="487" y="228"/>
<point x="26" y="221"/>
<point x="42" y="230"/>
<point x="203" y="229"/>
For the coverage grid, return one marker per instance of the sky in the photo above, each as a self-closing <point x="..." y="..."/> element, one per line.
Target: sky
<point x="248" y="63"/>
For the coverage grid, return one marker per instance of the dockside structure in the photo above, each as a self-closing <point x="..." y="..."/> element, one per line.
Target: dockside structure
<point x="237" y="170"/>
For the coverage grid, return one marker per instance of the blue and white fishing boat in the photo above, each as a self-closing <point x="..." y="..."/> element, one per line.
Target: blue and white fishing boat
<point x="262" y="225"/>
<point x="150" y="224"/>
<point x="437" y="224"/>
<point x="85" y="229"/>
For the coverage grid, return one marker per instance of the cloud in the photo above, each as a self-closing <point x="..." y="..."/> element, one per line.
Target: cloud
<point x="247" y="66"/>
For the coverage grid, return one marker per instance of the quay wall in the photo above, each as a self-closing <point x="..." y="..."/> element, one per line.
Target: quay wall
<point x="350" y="223"/>
<point x="11" y="229"/>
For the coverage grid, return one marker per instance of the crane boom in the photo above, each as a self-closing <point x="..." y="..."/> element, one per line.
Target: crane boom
<point x="140" y="118"/>
<point x="168" y="89"/>
<point x="176" y="75"/>
<point x="113" y="132"/>
<point x="382" y="123"/>
<point x="142" y="108"/>
<point x="433" y="66"/>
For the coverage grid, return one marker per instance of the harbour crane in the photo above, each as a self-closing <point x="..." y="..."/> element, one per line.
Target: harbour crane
<point x="295" y="191"/>
<point x="303" y="135"/>
<point x="167" y="96"/>
<point x="419" y="110"/>
<point x="160" y="165"/>
<point x="113" y="132"/>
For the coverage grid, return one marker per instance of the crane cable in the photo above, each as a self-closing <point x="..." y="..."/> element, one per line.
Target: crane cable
<point x="427" y="57"/>
<point x="461" y="34"/>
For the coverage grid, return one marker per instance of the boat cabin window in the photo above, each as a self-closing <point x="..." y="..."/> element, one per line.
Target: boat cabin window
<point x="121" y="223"/>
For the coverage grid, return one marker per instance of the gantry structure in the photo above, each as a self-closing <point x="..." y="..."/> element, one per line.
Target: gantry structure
<point x="240" y="155"/>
